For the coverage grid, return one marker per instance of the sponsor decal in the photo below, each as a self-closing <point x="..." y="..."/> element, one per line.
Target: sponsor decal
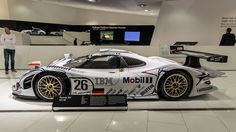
<point x="97" y="91"/>
<point x="137" y="80"/>
<point x="147" y="89"/>
<point x="103" y="81"/>
<point x="80" y="93"/>
<point x="81" y="86"/>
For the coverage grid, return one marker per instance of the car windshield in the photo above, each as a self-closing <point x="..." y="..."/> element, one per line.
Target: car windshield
<point x="77" y="61"/>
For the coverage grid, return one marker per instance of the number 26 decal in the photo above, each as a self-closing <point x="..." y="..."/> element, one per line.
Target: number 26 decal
<point x="81" y="84"/>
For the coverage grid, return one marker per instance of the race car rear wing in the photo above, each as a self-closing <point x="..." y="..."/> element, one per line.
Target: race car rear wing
<point x="193" y="57"/>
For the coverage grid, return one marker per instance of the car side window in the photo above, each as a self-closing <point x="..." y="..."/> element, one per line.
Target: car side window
<point x="102" y="62"/>
<point x="132" y="62"/>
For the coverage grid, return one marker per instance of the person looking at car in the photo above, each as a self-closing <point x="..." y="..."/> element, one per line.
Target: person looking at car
<point x="228" y="39"/>
<point x="75" y="42"/>
<point x="8" y="39"/>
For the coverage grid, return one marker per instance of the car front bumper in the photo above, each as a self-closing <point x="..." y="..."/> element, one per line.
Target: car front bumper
<point x="18" y="91"/>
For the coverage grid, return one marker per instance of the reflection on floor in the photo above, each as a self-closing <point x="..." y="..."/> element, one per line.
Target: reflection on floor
<point x="130" y="121"/>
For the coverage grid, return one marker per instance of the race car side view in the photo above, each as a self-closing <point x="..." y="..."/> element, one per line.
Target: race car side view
<point x="34" y="31"/>
<point x="114" y="72"/>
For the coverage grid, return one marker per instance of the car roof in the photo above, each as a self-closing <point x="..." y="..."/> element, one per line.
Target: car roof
<point x="111" y="52"/>
<point x="118" y="52"/>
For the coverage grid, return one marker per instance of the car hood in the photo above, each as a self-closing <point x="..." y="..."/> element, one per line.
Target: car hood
<point x="60" y="62"/>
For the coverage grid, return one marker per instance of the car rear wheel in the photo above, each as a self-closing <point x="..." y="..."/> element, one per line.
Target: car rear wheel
<point x="48" y="86"/>
<point x="175" y="85"/>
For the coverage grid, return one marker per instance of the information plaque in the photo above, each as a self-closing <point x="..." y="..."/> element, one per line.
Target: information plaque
<point x="90" y="102"/>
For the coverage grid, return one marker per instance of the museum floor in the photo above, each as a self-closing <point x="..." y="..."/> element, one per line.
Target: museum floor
<point x="129" y="121"/>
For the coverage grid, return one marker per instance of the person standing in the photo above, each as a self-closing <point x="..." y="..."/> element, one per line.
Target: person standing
<point x="228" y="39"/>
<point x="75" y="42"/>
<point x="8" y="39"/>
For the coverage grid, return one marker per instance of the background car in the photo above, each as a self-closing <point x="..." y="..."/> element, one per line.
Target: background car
<point x="113" y="72"/>
<point x="58" y="33"/>
<point x="34" y="31"/>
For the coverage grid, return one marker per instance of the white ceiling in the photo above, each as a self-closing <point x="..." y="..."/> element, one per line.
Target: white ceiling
<point x="121" y="6"/>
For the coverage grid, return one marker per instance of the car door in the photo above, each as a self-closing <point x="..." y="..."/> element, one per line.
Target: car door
<point x="97" y="76"/>
<point x="134" y="80"/>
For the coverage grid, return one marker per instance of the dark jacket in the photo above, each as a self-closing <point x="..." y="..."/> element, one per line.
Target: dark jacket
<point x="228" y="39"/>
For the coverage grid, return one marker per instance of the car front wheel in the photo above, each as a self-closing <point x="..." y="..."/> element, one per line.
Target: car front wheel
<point x="48" y="86"/>
<point x="175" y="85"/>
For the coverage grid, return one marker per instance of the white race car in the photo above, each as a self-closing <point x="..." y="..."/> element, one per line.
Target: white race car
<point x="114" y="72"/>
<point x="34" y="31"/>
<point x="58" y="33"/>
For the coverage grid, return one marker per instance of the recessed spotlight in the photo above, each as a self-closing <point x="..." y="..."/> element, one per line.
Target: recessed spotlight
<point x="147" y="10"/>
<point x="93" y="1"/>
<point x="142" y="5"/>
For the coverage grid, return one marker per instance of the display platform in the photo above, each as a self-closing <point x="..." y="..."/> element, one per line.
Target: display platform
<point x="218" y="100"/>
<point x="207" y="102"/>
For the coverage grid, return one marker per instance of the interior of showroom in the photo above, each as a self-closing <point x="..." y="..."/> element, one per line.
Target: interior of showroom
<point x="118" y="66"/>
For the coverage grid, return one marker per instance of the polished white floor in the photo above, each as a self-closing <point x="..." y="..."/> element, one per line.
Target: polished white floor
<point x="128" y="121"/>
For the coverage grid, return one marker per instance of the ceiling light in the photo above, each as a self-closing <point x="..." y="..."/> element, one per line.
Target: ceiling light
<point x="147" y="10"/>
<point x="142" y="5"/>
<point x="93" y="1"/>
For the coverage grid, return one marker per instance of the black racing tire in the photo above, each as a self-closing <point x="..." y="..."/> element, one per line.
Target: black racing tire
<point x="175" y="85"/>
<point x="48" y="85"/>
<point x="41" y="33"/>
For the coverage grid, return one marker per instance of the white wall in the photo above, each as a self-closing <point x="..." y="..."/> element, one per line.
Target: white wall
<point x="193" y="20"/>
<point x="4" y="12"/>
<point x="48" y="40"/>
<point x="92" y="17"/>
<point x="30" y="10"/>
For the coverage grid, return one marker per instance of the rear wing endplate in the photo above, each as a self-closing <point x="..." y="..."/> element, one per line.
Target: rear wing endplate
<point x="193" y="57"/>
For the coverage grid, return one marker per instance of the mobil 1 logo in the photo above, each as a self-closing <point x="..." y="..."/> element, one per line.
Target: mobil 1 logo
<point x="137" y="80"/>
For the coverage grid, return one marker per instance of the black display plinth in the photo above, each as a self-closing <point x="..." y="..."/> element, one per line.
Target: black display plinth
<point x="90" y="102"/>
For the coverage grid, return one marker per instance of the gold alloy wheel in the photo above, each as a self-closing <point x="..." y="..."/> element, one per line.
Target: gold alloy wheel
<point x="175" y="85"/>
<point x="49" y="87"/>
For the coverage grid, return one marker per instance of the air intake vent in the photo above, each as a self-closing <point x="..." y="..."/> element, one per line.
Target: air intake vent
<point x="27" y="82"/>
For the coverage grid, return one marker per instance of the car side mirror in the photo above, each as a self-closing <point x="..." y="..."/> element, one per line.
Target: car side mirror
<point x="68" y="55"/>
